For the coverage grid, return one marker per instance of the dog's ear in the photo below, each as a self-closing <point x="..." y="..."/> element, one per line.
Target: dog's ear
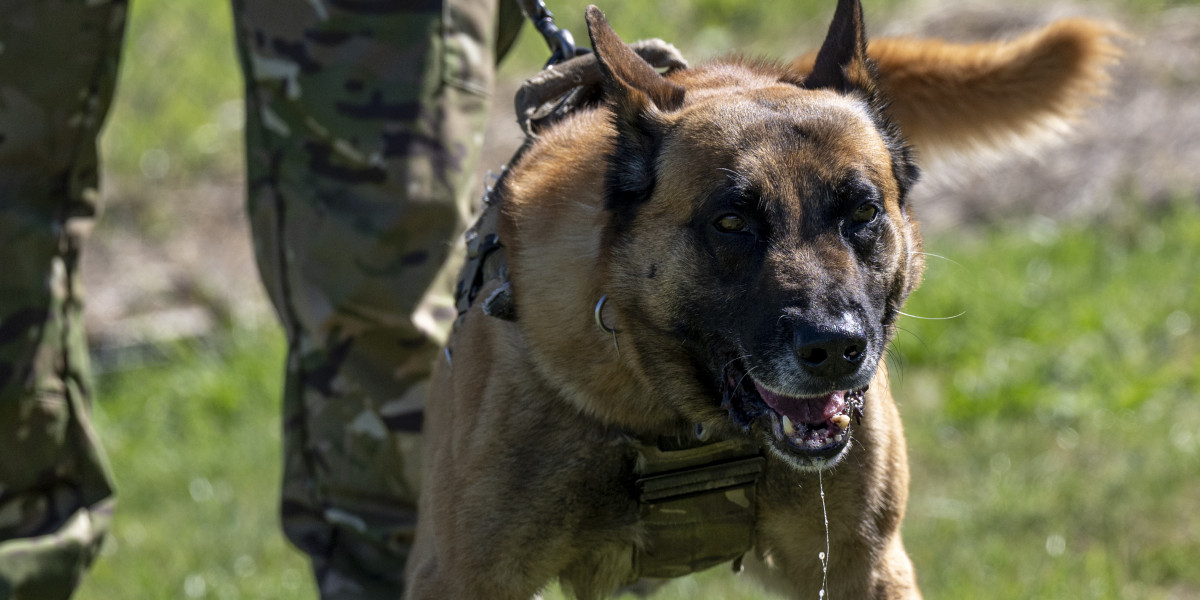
<point x="841" y="64"/>
<point x="632" y="84"/>
<point x="640" y="98"/>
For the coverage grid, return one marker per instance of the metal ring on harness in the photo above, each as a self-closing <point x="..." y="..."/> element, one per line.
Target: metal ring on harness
<point x="600" y="318"/>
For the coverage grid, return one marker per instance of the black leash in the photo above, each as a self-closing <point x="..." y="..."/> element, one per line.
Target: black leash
<point x="561" y="42"/>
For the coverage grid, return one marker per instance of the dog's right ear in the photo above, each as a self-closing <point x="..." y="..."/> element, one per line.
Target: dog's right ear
<point x="632" y="84"/>
<point x="639" y="97"/>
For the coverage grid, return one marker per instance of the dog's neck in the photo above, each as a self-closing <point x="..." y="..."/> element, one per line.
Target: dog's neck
<point x="551" y="224"/>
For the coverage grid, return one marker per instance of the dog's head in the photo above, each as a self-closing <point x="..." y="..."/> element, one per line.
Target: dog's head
<point x="758" y="237"/>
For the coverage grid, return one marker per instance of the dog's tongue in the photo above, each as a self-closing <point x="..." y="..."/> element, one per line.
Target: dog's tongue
<point x="804" y="410"/>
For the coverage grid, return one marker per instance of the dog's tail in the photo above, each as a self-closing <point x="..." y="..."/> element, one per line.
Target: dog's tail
<point x="995" y="97"/>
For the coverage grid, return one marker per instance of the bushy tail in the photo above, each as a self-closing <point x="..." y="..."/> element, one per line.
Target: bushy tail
<point x="995" y="97"/>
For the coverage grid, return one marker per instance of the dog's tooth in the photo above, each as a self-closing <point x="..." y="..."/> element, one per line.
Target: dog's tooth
<point x="788" y="429"/>
<point x="842" y="421"/>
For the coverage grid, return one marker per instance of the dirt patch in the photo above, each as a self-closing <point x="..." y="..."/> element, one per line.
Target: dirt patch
<point x="169" y="263"/>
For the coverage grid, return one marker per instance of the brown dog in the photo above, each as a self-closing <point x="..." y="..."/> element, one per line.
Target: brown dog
<point x="675" y="334"/>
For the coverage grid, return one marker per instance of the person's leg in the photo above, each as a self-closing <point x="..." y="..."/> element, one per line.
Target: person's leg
<point x="57" y="71"/>
<point x="364" y="125"/>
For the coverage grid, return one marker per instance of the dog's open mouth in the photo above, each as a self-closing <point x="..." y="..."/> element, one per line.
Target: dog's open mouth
<point x="814" y="429"/>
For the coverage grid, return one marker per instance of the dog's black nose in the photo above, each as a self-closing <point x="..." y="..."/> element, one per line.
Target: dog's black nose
<point x="830" y="352"/>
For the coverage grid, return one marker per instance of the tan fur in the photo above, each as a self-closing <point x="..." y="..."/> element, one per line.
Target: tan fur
<point x="529" y="431"/>
<point x="1028" y="90"/>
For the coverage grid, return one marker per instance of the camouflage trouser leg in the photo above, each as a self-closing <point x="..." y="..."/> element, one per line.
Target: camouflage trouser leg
<point x="58" y="65"/>
<point x="364" y="127"/>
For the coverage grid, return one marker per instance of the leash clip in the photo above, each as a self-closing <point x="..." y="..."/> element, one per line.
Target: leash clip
<point x="561" y="42"/>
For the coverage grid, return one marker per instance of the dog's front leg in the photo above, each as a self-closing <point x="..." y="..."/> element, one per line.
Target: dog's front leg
<point x="435" y="580"/>
<point x="519" y="488"/>
<point x="480" y="538"/>
<point x="852" y="570"/>
<point x="493" y="551"/>
<point x="463" y="562"/>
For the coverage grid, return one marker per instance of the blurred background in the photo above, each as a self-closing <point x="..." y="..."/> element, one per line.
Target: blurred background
<point x="1053" y="425"/>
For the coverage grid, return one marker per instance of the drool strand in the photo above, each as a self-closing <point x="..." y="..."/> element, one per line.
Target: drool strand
<point x="824" y="556"/>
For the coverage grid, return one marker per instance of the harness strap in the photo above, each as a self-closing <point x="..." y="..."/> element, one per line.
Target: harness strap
<point x="486" y="260"/>
<point x="696" y="503"/>
<point x="574" y="83"/>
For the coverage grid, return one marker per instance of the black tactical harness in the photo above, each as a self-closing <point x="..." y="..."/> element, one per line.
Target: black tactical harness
<point x="486" y="261"/>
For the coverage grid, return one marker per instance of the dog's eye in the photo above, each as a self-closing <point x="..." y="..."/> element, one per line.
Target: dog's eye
<point x="865" y="214"/>
<point x="730" y="223"/>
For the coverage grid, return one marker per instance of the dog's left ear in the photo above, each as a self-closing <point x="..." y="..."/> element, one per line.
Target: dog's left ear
<point x="841" y="63"/>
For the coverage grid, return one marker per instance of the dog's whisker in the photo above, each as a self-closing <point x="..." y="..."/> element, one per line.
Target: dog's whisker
<point x="949" y="260"/>
<point x="914" y="335"/>
<point x="744" y="376"/>
<point x="732" y="360"/>
<point x="897" y="359"/>
<point x="932" y="318"/>
<point x="738" y="179"/>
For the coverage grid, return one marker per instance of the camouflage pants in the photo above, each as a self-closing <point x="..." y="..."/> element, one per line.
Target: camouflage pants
<point x="364" y="125"/>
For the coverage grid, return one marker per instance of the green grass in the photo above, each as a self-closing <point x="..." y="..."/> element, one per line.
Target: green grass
<point x="1054" y="426"/>
<point x="177" y="116"/>
<point x="194" y="443"/>
<point x="1071" y="315"/>
<point x="1070" y="474"/>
